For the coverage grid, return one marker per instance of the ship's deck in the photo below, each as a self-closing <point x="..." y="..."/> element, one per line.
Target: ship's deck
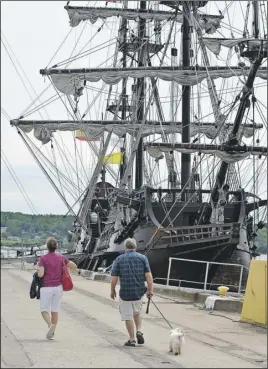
<point x="90" y="333"/>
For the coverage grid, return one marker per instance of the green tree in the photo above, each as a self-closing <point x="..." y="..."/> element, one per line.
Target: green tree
<point x="27" y="225"/>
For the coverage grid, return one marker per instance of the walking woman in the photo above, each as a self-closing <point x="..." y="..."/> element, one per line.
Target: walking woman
<point x="50" y="267"/>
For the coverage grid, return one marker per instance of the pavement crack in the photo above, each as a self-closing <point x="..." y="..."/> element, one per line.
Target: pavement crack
<point x="30" y="363"/>
<point x="5" y="363"/>
<point x="158" y="321"/>
<point x="144" y="355"/>
<point x="114" y="337"/>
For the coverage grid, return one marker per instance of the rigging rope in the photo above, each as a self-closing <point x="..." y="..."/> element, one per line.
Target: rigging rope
<point x="50" y="163"/>
<point x="18" y="72"/>
<point x="38" y="97"/>
<point x="134" y="123"/>
<point x="18" y="183"/>
<point x="49" y="178"/>
<point x="59" y="47"/>
<point x="55" y="164"/>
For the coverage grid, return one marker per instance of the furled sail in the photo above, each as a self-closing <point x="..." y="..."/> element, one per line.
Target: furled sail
<point x="64" y="79"/>
<point x="68" y="86"/>
<point x="210" y="23"/>
<point x="82" y="136"/>
<point x="42" y="134"/>
<point x="96" y="128"/>
<point x="226" y="153"/>
<point x="214" y="44"/>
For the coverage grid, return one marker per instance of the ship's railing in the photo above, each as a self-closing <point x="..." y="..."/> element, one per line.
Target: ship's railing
<point x="197" y="232"/>
<point x="205" y="282"/>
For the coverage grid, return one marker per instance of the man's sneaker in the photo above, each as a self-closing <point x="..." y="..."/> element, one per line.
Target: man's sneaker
<point x="140" y="338"/>
<point x="130" y="343"/>
<point x="50" y="333"/>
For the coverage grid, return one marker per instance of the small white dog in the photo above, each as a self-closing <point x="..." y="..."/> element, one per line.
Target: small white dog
<point x="176" y="340"/>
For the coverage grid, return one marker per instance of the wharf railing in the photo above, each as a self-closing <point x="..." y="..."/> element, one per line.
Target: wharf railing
<point x="9" y="256"/>
<point x="204" y="282"/>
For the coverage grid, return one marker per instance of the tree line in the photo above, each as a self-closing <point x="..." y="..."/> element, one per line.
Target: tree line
<point x="28" y="226"/>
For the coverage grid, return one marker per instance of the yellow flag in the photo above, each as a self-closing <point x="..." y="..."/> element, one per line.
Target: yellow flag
<point x="115" y="158"/>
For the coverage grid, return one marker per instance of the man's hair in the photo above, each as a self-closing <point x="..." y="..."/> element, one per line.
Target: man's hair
<point x="52" y="244"/>
<point x="130" y="244"/>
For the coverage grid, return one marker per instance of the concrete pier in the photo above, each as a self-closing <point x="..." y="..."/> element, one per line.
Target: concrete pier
<point x="233" y="302"/>
<point x="91" y="334"/>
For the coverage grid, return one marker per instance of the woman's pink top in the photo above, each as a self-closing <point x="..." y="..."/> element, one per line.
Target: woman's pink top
<point x="52" y="263"/>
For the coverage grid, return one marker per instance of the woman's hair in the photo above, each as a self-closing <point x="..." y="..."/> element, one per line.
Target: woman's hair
<point x="52" y="244"/>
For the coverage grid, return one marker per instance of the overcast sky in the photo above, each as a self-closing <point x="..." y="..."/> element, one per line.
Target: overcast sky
<point x="34" y="30"/>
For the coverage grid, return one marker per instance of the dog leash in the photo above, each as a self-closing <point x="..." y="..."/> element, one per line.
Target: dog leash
<point x="147" y="311"/>
<point x="148" y="304"/>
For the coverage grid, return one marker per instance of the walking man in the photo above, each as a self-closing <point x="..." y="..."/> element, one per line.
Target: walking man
<point x="133" y="269"/>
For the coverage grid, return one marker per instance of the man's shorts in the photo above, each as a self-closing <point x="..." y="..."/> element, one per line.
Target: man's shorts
<point x="50" y="298"/>
<point x="129" y="308"/>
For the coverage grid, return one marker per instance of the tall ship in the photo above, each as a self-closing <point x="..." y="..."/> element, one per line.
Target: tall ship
<point x="158" y="131"/>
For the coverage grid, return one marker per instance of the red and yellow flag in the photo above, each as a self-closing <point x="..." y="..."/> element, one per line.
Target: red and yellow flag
<point x="81" y="136"/>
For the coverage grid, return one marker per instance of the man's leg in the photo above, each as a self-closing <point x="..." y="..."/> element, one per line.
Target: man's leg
<point x="137" y="307"/>
<point x="130" y="329"/>
<point x="126" y="311"/>
<point x="137" y="320"/>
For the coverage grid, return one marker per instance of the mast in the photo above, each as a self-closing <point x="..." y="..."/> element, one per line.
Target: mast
<point x="247" y="91"/>
<point x="186" y="38"/>
<point x="124" y="90"/>
<point x="255" y="18"/>
<point x="141" y="88"/>
<point x="256" y="60"/>
<point x="256" y="35"/>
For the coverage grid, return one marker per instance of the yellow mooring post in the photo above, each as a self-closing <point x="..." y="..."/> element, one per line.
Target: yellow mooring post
<point x="255" y="302"/>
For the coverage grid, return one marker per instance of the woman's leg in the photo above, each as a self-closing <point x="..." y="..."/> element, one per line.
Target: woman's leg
<point x="46" y="294"/>
<point x="55" y="304"/>
<point x="45" y="303"/>
<point x="46" y="318"/>
<point x="54" y="317"/>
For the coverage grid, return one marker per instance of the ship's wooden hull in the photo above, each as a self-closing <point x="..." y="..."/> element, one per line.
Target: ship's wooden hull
<point x="182" y="234"/>
<point x="220" y="248"/>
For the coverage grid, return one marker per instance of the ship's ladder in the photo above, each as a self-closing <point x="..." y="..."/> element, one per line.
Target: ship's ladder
<point x="232" y="177"/>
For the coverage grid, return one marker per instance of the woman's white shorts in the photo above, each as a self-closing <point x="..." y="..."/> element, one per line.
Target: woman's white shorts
<point x="50" y="299"/>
